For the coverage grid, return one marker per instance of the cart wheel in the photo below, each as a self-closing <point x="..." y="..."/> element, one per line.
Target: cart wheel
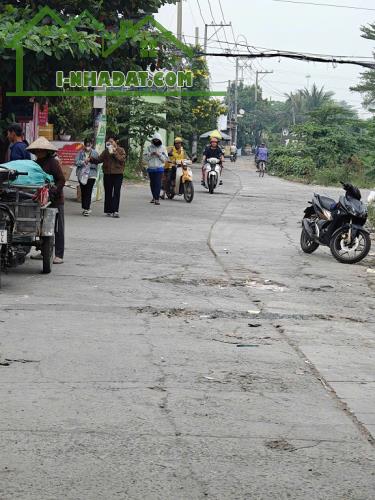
<point x="48" y="245"/>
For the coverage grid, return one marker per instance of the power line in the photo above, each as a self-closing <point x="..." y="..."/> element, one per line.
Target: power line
<point x="224" y="21"/>
<point x="215" y="24"/>
<point x="222" y="12"/>
<point x="212" y="15"/>
<point x="201" y="13"/>
<point x="316" y="4"/>
<point x="295" y="56"/>
<point x="264" y="52"/>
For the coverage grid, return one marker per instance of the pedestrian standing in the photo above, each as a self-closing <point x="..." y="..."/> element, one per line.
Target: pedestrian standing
<point x="113" y="159"/>
<point x="45" y="153"/>
<point x="18" y="146"/>
<point x="156" y="156"/>
<point x="87" y="173"/>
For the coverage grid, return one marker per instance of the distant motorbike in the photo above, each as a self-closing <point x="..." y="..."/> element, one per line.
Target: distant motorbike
<point x="180" y="181"/>
<point x="340" y="226"/>
<point x="212" y="174"/>
<point x="233" y="157"/>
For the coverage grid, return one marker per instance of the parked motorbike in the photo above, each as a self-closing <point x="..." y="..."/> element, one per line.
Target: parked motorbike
<point x="233" y="157"/>
<point x="338" y="225"/>
<point x="180" y="181"/>
<point x="212" y="174"/>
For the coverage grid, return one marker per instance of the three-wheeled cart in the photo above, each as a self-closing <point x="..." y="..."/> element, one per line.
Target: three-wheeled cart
<point x="24" y="224"/>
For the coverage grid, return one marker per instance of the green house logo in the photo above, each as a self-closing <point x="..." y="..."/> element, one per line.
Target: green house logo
<point x="81" y="83"/>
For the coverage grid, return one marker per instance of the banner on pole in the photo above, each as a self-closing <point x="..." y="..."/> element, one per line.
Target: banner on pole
<point x="100" y="135"/>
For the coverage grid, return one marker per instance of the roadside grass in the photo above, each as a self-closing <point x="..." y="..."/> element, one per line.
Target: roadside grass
<point x="132" y="171"/>
<point x="334" y="176"/>
<point x="330" y="177"/>
<point x="371" y="215"/>
<point x="364" y="179"/>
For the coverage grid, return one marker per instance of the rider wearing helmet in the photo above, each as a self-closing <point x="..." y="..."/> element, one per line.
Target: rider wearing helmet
<point x="175" y="153"/>
<point x="212" y="151"/>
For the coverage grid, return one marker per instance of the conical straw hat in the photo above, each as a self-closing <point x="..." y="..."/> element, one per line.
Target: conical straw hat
<point x="42" y="143"/>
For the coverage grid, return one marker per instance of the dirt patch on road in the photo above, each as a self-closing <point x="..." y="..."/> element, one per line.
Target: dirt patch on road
<point x="279" y="445"/>
<point x="252" y="282"/>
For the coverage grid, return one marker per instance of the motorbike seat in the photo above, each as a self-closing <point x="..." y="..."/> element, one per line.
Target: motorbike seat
<point x="325" y="202"/>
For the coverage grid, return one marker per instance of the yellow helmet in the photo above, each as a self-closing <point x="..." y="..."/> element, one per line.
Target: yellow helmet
<point x="178" y="139"/>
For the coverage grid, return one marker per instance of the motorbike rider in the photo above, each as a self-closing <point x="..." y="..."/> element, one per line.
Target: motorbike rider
<point x="175" y="153"/>
<point x="261" y="154"/>
<point x="233" y="150"/>
<point x="212" y="151"/>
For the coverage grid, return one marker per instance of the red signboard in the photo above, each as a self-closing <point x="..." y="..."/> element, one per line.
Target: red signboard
<point x="43" y="115"/>
<point x="68" y="152"/>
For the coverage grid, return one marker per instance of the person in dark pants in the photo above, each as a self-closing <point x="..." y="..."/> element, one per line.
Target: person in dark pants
<point x="45" y="153"/>
<point x="86" y="173"/>
<point x="18" y="146"/>
<point x="157" y="156"/>
<point x="113" y="159"/>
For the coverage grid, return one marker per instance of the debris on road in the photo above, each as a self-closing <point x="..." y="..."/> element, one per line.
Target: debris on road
<point x="247" y="345"/>
<point x="212" y="379"/>
<point x="279" y="444"/>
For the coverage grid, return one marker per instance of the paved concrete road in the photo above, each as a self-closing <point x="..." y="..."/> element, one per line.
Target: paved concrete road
<point x="189" y="352"/>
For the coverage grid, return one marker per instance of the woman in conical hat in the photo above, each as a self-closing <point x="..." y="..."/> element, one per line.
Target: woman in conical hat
<point x="41" y="144"/>
<point x="45" y="153"/>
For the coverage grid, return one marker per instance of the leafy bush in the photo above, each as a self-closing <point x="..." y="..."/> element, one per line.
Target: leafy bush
<point x="371" y="215"/>
<point x="133" y="171"/>
<point x="290" y="161"/>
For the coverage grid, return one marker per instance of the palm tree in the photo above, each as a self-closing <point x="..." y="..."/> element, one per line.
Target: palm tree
<point x="315" y="98"/>
<point x="296" y="106"/>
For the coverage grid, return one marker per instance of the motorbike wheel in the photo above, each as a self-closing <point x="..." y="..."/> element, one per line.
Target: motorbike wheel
<point x="170" y="195"/>
<point x="262" y="168"/>
<point x="48" y="245"/>
<point x="211" y="184"/>
<point x="307" y="244"/>
<point x="188" y="191"/>
<point x="350" y="254"/>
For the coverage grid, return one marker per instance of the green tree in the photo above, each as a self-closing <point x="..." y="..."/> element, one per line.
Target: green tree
<point x="367" y="85"/>
<point x="261" y="116"/>
<point x="315" y="98"/>
<point x="332" y="139"/>
<point x="134" y="121"/>
<point x="192" y="116"/>
<point x="48" y="47"/>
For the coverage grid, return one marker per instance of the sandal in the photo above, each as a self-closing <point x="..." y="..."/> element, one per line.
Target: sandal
<point x="152" y="201"/>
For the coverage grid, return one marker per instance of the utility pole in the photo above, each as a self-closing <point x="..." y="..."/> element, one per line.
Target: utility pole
<point x="213" y="25"/>
<point x="197" y="36"/>
<point x="179" y="20"/>
<point x="230" y="110"/>
<point x="257" y="73"/>
<point x="235" y="135"/>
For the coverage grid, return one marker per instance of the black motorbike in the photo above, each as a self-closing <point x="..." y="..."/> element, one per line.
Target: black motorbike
<point x="338" y="225"/>
<point x="233" y="157"/>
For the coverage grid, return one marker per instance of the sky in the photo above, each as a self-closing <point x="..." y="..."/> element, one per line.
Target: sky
<point x="284" y="26"/>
